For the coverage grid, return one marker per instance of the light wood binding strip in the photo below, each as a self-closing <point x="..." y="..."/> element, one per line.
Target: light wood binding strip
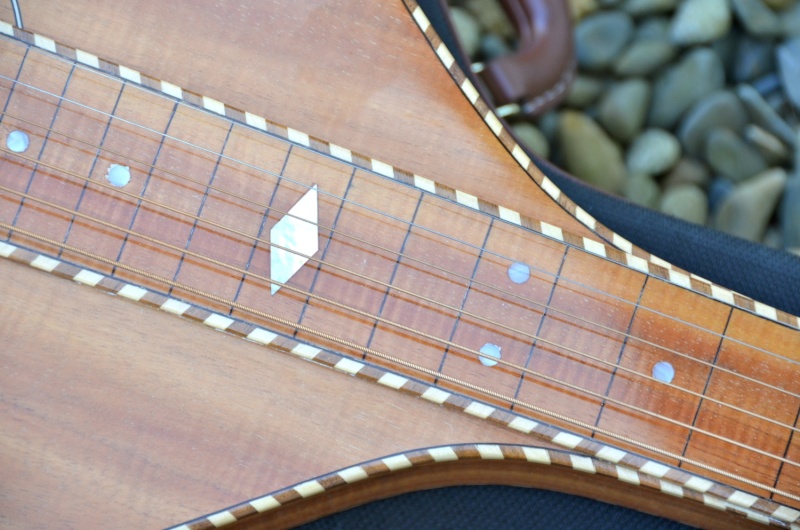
<point x="607" y="460"/>
<point x="212" y="105"/>
<point x="630" y="256"/>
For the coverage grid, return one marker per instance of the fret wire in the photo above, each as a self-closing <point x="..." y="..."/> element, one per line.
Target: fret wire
<point x="545" y="307"/>
<point x="321" y="262"/>
<point x="425" y="299"/>
<point x="446" y="342"/>
<point x="401" y="220"/>
<point x="98" y="150"/>
<point x="434" y="373"/>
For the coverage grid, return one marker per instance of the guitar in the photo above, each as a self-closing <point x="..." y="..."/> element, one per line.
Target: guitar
<point x="322" y="290"/>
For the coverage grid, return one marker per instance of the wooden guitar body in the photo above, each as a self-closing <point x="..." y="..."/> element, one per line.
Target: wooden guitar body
<point x="150" y="374"/>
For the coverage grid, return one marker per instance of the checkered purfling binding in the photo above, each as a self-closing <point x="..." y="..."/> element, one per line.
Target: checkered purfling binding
<point x="586" y="454"/>
<point x="618" y="248"/>
<point x="528" y="456"/>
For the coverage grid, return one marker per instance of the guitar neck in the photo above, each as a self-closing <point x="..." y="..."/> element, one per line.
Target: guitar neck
<point x="412" y="277"/>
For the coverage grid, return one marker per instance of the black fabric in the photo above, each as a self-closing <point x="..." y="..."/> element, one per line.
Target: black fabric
<point x="488" y="507"/>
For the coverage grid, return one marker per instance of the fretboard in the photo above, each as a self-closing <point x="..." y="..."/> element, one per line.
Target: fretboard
<point x="402" y="277"/>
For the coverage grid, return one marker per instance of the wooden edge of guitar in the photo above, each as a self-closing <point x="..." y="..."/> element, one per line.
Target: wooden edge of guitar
<point x="468" y="465"/>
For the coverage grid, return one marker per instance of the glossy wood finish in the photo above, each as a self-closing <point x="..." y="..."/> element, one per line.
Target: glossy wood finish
<point x="603" y="329"/>
<point x="370" y="81"/>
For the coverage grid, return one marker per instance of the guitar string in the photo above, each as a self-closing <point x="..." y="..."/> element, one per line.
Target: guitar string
<point x="521" y="369"/>
<point x="502" y="291"/>
<point x="487" y="251"/>
<point x="414" y="367"/>
<point x="544" y="306"/>
<point x="434" y="337"/>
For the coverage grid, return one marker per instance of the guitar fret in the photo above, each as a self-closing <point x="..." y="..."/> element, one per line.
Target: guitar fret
<point x="25" y="102"/>
<point x="78" y="129"/>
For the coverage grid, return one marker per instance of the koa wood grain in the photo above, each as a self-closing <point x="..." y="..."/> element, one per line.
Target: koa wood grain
<point x="411" y="281"/>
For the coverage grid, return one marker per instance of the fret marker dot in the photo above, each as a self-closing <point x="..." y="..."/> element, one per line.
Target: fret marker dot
<point x="17" y="141"/>
<point x="519" y="272"/>
<point x="664" y="372"/>
<point x="118" y="175"/>
<point x="492" y="350"/>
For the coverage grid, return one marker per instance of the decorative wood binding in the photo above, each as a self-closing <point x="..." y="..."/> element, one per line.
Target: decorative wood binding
<point x="407" y="309"/>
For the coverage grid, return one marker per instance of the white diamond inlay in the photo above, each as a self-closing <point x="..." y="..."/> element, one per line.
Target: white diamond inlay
<point x="296" y="231"/>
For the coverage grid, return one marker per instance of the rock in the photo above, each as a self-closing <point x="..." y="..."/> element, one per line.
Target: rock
<point x="764" y="116"/>
<point x="642" y="190"/>
<point x="779" y="4"/>
<point x="600" y="38"/>
<point x="687" y="202"/>
<point x="718" y="191"/>
<point x="644" y="56"/>
<point x="757" y="18"/>
<point x="718" y="110"/>
<point x="656" y="28"/>
<point x="790" y="212"/>
<point x="687" y="171"/>
<point x="772" y="149"/>
<point x="700" y="21"/>
<point x="731" y="156"/>
<point x="491" y="17"/>
<point x="589" y="153"/>
<point x="584" y="91"/>
<point x="698" y="74"/>
<point x="532" y="137"/>
<point x="747" y="210"/>
<point x="767" y="84"/>
<point x="653" y="152"/>
<point x="772" y="238"/>
<point x="789" y="68"/>
<point x="754" y="58"/>
<point x="493" y="46"/>
<point x="548" y="124"/>
<point x="467" y="29"/>
<point x="638" y="8"/>
<point x="623" y="108"/>
<point x="790" y="21"/>
<point x="582" y="8"/>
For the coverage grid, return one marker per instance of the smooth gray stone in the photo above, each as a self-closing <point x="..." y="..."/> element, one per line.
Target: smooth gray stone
<point x="548" y="123"/>
<point x="640" y="8"/>
<point x="789" y="68"/>
<point x="718" y="191"/>
<point x="589" y="153"/>
<point x="491" y="17"/>
<point x="698" y="74"/>
<point x="790" y="21"/>
<point x="757" y="18"/>
<point x="790" y="211"/>
<point x="644" y="56"/>
<point x="718" y="110"/>
<point x="754" y="58"/>
<point x="688" y="171"/>
<point x="687" y="202"/>
<point x="765" y="116"/>
<point x="601" y="37"/>
<point x="467" y="29"/>
<point x="653" y="28"/>
<point x="772" y="149"/>
<point x="623" y="108"/>
<point x="642" y="190"/>
<point x="584" y="91"/>
<point x="731" y="156"/>
<point x="493" y="46"/>
<point x="747" y="210"/>
<point x="653" y="152"/>
<point x="700" y="21"/>
<point x="533" y="138"/>
<point x="767" y="84"/>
